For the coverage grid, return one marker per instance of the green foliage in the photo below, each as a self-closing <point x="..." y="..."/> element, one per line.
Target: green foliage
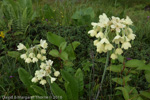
<point x="38" y="90"/>
<point x="65" y="52"/>
<point x="58" y="91"/>
<point x="134" y="63"/>
<point x="124" y="92"/>
<point x="18" y="17"/>
<point x="20" y="14"/>
<point x="115" y="68"/>
<point x="55" y="39"/>
<point x="122" y="81"/>
<point x="48" y="12"/>
<point x="73" y="85"/>
<point x="145" y="94"/>
<point x="83" y="16"/>
<point x="128" y="70"/>
<point x="54" y="53"/>
<point x="79" y="77"/>
<point x="141" y="51"/>
<point x="25" y="77"/>
<point x="14" y="54"/>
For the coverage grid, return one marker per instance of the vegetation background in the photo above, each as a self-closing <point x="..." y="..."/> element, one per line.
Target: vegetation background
<point x="27" y="21"/>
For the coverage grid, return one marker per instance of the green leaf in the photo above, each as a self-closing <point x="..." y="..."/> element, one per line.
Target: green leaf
<point x="25" y="77"/>
<point x="63" y="55"/>
<point x="115" y="68"/>
<point x="118" y="80"/>
<point x="102" y="60"/>
<point x="62" y="46"/>
<point x="139" y="98"/>
<point x="38" y="90"/>
<point x="18" y="33"/>
<point x="72" y="87"/>
<point x="58" y="91"/>
<point x="14" y="54"/>
<point x="48" y="12"/>
<point x="145" y="67"/>
<point x="127" y="78"/>
<point x="54" y="53"/>
<point x="79" y="78"/>
<point x="131" y="90"/>
<point x="55" y="39"/>
<point x="124" y="92"/>
<point x="70" y="50"/>
<point x="122" y="81"/>
<point x="82" y="12"/>
<point x="145" y="94"/>
<point x="68" y="63"/>
<point x="147" y="76"/>
<point x="120" y="58"/>
<point x="134" y="63"/>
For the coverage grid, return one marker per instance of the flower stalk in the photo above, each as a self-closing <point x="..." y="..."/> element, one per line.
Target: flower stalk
<point x="101" y="84"/>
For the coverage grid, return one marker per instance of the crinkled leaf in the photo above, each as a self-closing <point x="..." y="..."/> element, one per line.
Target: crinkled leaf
<point x="55" y="39"/>
<point x="62" y="46"/>
<point x="58" y="91"/>
<point x="124" y="92"/>
<point x="147" y="76"/>
<point x="121" y="58"/>
<point x="122" y="81"/>
<point x="70" y="49"/>
<point x="72" y="86"/>
<point x="115" y="68"/>
<point x="79" y="78"/>
<point x="102" y="60"/>
<point x="38" y="90"/>
<point x="14" y="54"/>
<point x="54" y="53"/>
<point x="63" y="55"/>
<point x="134" y="63"/>
<point x="145" y="94"/>
<point x="25" y="77"/>
<point x="145" y="67"/>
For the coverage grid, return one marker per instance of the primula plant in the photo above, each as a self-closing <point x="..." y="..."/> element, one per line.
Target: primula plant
<point x="46" y="73"/>
<point x="37" y="53"/>
<point x="112" y="34"/>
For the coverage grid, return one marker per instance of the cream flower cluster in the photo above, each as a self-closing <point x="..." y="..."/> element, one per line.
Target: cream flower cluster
<point x="112" y="34"/>
<point x="45" y="71"/>
<point x="34" y="53"/>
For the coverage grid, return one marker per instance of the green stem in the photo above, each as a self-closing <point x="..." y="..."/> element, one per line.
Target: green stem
<point x="29" y="69"/>
<point x="37" y="65"/>
<point x="50" y="86"/>
<point x="100" y="87"/>
<point x="45" y="90"/>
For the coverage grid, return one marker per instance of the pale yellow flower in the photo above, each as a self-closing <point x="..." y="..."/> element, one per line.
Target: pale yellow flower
<point x="126" y="45"/>
<point x="100" y="35"/>
<point x="118" y="51"/>
<point x="56" y="73"/>
<point x="104" y="40"/>
<point x="113" y="56"/>
<point x="43" y="82"/>
<point x="128" y="21"/>
<point x="34" y="80"/>
<point x="95" y="42"/>
<point x="118" y="39"/>
<point x="131" y="36"/>
<point x="92" y="33"/>
<point x="108" y="46"/>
